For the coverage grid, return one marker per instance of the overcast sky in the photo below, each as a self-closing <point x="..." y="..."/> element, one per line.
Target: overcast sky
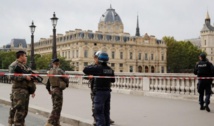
<point x="182" y="19"/>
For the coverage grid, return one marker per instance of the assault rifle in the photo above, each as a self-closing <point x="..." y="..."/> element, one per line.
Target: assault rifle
<point x="35" y="77"/>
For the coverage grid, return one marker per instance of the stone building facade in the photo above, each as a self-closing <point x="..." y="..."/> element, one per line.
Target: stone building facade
<point x="127" y="53"/>
<point x="207" y="38"/>
<point x="15" y="45"/>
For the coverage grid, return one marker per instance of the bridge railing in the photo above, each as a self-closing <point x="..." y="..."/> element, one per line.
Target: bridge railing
<point x="4" y="79"/>
<point x="185" y="84"/>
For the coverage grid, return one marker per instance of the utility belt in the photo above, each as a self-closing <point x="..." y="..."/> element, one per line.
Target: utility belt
<point x="55" y="86"/>
<point x="15" y="88"/>
<point x="101" y="89"/>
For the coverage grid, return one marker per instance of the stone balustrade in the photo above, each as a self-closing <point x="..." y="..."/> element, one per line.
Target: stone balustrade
<point x="169" y="83"/>
<point x="185" y="84"/>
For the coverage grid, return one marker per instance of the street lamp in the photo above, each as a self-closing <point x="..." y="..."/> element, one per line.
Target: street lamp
<point x="54" y="23"/>
<point x="32" y="62"/>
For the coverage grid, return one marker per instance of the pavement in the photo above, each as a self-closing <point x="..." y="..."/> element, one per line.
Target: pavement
<point x="31" y="120"/>
<point x="126" y="110"/>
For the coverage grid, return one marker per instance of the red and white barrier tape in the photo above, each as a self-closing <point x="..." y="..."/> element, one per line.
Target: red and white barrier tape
<point x="82" y="76"/>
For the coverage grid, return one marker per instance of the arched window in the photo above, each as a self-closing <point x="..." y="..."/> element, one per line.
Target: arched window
<point x="146" y="69"/>
<point x="152" y="69"/>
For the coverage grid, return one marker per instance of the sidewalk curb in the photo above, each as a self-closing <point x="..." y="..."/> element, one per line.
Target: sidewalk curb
<point x="65" y="118"/>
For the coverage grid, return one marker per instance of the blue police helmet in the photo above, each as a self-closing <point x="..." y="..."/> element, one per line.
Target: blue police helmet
<point x="102" y="56"/>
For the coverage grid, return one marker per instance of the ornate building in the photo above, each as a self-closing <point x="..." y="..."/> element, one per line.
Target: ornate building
<point x="127" y="53"/>
<point x="207" y="38"/>
<point x="15" y="45"/>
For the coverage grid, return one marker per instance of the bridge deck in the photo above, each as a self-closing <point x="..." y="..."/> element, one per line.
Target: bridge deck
<point x="127" y="110"/>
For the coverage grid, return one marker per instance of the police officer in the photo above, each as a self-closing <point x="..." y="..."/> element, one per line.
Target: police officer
<point x="204" y="69"/>
<point x="57" y="84"/>
<point x="22" y="85"/>
<point x="91" y="82"/>
<point x="101" y="88"/>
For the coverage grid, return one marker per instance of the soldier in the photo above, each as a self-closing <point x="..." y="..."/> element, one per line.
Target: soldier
<point x="204" y="69"/>
<point x="57" y="84"/>
<point x="21" y="89"/>
<point x="101" y="88"/>
<point x="91" y="81"/>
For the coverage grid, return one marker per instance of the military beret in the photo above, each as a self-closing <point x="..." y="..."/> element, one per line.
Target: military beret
<point x="55" y="60"/>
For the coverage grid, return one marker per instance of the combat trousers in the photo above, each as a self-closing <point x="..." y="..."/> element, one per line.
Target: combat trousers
<point x="204" y="85"/>
<point x="57" y="100"/>
<point x="92" y="97"/>
<point x="102" y="108"/>
<point x="20" y="101"/>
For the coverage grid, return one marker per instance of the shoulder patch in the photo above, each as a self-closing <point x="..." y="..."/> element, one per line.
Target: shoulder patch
<point x="107" y="71"/>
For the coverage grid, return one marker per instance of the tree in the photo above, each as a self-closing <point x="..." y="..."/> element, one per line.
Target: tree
<point x="6" y="58"/>
<point x="43" y="62"/>
<point x="181" y="55"/>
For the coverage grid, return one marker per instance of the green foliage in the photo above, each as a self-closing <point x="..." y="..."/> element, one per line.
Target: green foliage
<point x="43" y="62"/>
<point x="6" y="58"/>
<point x="65" y="65"/>
<point x="181" y="55"/>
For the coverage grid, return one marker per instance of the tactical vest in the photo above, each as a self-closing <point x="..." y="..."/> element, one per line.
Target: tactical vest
<point x="54" y="81"/>
<point x="103" y="83"/>
<point x="204" y="68"/>
<point x="19" y="84"/>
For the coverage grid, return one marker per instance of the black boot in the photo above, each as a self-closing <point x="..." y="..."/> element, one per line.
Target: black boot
<point x="207" y="108"/>
<point x="202" y="107"/>
<point x="111" y="121"/>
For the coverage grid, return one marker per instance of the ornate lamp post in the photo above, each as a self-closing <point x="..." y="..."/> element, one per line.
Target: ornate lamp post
<point x="54" y="23"/>
<point x="32" y="62"/>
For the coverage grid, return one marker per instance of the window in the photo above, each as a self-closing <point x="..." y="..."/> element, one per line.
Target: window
<point x="112" y="64"/>
<point x="146" y="56"/>
<point x="85" y="64"/>
<point x="162" y="57"/>
<point x="152" y="57"/>
<point x="130" y="68"/>
<point x="86" y="53"/>
<point x="130" y="55"/>
<point x="77" y="53"/>
<point x="205" y="42"/>
<point x="121" y="70"/>
<point x="65" y="54"/>
<point x="139" y="56"/>
<point x="162" y="69"/>
<point x="69" y="54"/>
<point x="121" y="55"/>
<point x="77" y="64"/>
<point x="112" y="54"/>
<point x="73" y="53"/>
<point x="121" y="65"/>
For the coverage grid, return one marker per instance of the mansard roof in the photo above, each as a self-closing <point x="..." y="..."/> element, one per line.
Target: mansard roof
<point x="17" y="42"/>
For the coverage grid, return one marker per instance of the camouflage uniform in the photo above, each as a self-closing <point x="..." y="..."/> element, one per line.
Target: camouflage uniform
<point x="56" y="95"/>
<point x="19" y="96"/>
<point x="91" y="82"/>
